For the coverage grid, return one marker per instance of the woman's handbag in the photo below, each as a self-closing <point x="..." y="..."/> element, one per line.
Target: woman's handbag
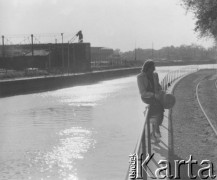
<point x="168" y="101"/>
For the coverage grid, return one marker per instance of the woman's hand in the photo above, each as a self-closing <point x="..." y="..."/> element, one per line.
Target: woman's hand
<point x="159" y="95"/>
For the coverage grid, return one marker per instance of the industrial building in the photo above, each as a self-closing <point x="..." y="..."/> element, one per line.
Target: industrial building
<point x="73" y="57"/>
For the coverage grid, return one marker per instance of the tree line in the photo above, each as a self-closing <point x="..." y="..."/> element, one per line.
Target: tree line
<point x="183" y="52"/>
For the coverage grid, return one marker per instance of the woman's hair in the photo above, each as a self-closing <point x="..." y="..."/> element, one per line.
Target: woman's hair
<point x="147" y="64"/>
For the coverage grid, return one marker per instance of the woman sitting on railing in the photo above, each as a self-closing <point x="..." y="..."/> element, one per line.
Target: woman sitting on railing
<point x="150" y="91"/>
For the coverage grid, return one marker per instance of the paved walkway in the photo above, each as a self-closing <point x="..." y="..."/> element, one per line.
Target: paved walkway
<point x="162" y="149"/>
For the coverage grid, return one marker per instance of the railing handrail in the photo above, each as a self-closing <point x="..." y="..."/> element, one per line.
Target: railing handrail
<point x="138" y="144"/>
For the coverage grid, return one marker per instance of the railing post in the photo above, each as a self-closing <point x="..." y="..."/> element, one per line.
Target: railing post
<point x="166" y="82"/>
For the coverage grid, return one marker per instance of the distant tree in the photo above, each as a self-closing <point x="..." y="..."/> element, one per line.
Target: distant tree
<point x="191" y="52"/>
<point x="117" y="51"/>
<point x="205" y="12"/>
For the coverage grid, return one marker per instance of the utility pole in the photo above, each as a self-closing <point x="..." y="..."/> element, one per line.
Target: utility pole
<point x="62" y="51"/>
<point x="32" y="44"/>
<point x="3" y="53"/>
<point x="152" y="51"/>
<point x="135" y="51"/>
<point x="3" y="46"/>
<point x="68" y="56"/>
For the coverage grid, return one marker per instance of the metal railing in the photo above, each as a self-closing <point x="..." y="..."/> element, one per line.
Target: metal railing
<point x="143" y="145"/>
<point x="176" y="74"/>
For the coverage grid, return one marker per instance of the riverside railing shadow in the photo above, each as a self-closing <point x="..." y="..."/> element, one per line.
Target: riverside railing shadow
<point x="144" y="145"/>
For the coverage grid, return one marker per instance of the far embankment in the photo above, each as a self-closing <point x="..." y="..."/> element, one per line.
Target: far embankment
<point x="45" y="83"/>
<point x="182" y="63"/>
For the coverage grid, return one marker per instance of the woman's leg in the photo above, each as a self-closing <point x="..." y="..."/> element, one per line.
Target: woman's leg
<point x="159" y="110"/>
<point x="157" y="131"/>
<point x="155" y="120"/>
<point x="161" y="117"/>
<point x="154" y="129"/>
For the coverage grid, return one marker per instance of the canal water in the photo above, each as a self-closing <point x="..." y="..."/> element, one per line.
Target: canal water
<point x="77" y="133"/>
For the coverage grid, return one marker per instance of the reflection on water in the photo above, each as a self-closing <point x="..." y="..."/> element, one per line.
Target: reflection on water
<point x="44" y="135"/>
<point x="59" y="162"/>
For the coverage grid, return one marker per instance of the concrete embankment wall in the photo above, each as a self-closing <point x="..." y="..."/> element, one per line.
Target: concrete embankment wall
<point x="31" y="85"/>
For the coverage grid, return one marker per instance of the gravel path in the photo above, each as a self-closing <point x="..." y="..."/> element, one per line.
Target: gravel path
<point x="208" y="97"/>
<point x="192" y="134"/>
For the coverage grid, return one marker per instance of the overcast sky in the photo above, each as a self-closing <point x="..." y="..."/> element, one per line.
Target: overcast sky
<point x="121" y="24"/>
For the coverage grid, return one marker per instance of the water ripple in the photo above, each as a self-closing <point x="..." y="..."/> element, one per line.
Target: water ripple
<point x="73" y="145"/>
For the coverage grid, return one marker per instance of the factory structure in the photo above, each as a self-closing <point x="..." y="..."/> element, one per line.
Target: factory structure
<point x="70" y="57"/>
<point x="74" y="57"/>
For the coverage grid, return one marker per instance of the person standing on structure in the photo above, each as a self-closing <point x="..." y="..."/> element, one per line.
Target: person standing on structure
<point x="80" y="36"/>
<point x="150" y="91"/>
